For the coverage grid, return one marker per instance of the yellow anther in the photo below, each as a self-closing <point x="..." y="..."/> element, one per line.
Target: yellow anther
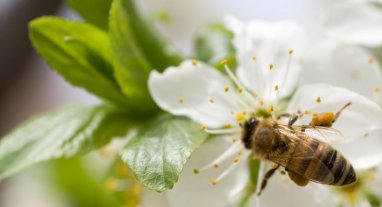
<point x="240" y="90"/>
<point x="236" y="160"/>
<point x="212" y="100"/>
<point x="270" y="109"/>
<point x="111" y="184"/>
<point x="270" y="66"/>
<point x="261" y="102"/>
<point x="240" y="116"/>
<point x="290" y="52"/>
<point x="318" y="99"/>
<point x="181" y="99"/>
<point x="273" y="165"/>
<point x="196" y="171"/>
<point x="255" y="94"/>
<point x="240" y="152"/>
<point x="226" y="89"/>
<point x="228" y="125"/>
<point x="224" y="62"/>
<point x="214" y="182"/>
<point x="370" y="60"/>
<point x="194" y="62"/>
<point x="372" y="177"/>
<point x="377" y="90"/>
<point x="276" y="87"/>
<point x="306" y="112"/>
<point x="254" y="58"/>
<point x="234" y="140"/>
<point x="216" y="165"/>
<point x="353" y="198"/>
<point x="203" y="127"/>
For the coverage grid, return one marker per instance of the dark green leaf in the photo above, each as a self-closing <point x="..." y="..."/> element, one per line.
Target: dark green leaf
<point x="64" y="133"/>
<point x="213" y="43"/>
<point x="95" y="12"/>
<point x="80" y="53"/>
<point x="157" y="156"/>
<point x="132" y="35"/>
<point x="137" y="50"/>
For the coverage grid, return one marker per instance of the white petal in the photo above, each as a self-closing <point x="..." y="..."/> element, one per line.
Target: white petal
<point x="281" y="191"/>
<point x="364" y="153"/>
<point x="196" y="190"/>
<point x="270" y="43"/>
<point x="362" y="117"/>
<point x="196" y="85"/>
<point x="358" y="23"/>
<point x="153" y="199"/>
<point x="347" y="66"/>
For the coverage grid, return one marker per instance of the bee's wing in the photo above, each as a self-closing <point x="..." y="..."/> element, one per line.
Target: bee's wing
<point x="324" y="134"/>
<point x="305" y="145"/>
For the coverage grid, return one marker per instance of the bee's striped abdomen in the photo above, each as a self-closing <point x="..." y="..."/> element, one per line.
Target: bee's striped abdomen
<point x="320" y="162"/>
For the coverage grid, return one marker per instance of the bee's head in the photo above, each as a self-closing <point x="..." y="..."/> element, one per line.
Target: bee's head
<point x="248" y="128"/>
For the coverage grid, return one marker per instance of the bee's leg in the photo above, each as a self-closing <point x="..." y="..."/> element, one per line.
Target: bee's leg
<point x="265" y="179"/>
<point x="292" y="117"/>
<point x="338" y="113"/>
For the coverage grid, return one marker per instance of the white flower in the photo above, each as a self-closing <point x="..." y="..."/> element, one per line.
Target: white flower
<point x="357" y="22"/>
<point x="268" y="68"/>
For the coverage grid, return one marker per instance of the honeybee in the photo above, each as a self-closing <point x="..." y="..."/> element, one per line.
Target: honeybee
<point x="301" y="150"/>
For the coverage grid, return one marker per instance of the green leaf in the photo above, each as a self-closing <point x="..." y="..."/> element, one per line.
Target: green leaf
<point x="131" y="34"/>
<point x="80" y="53"/>
<point x="157" y="155"/>
<point x="213" y="43"/>
<point x="63" y="133"/>
<point x="136" y="51"/>
<point x="95" y="12"/>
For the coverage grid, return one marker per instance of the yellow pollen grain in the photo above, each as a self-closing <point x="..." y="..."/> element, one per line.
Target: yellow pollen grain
<point x="370" y="60"/>
<point x="377" y="90"/>
<point x="276" y="87"/>
<point x="234" y="140"/>
<point x="270" y="109"/>
<point x="212" y="100"/>
<point x="372" y="177"/>
<point x="224" y="62"/>
<point x="214" y="182"/>
<point x="274" y="165"/>
<point x="203" y="127"/>
<point x="228" y="125"/>
<point x="240" y="116"/>
<point x="270" y="66"/>
<point x="306" y="112"/>
<point x="236" y="160"/>
<point x="181" y="99"/>
<point x="254" y="58"/>
<point x="353" y="198"/>
<point x="290" y="52"/>
<point x="318" y="99"/>
<point x="240" y="90"/>
<point x="216" y="165"/>
<point x="226" y="89"/>
<point x="196" y="171"/>
<point x="194" y="62"/>
<point x="111" y="184"/>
